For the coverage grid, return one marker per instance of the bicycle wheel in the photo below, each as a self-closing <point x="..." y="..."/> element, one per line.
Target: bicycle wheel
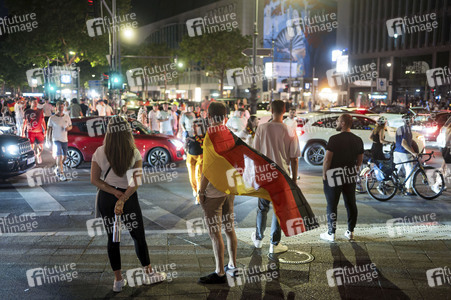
<point x="381" y="190"/>
<point x="428" y="184"/>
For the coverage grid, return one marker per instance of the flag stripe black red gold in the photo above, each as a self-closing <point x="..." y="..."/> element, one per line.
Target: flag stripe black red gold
<point x="235" y="168"/>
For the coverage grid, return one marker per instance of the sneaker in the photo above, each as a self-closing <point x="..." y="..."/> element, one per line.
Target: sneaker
<point x="62" y="177"/>
<point x="257" y="243"/>
<point x="118" y="285"/>
<point x="435" y="188"/>
<point x="39" y="159"/>
<point x="274" y="249"/>
<point x="154" y="277"/>
<point x="327" y="237"/>
<point x="194" y="194"/>
<point x="213" y="278"/>
<point x="230" y="271"/>
<point x="349" y="235"/>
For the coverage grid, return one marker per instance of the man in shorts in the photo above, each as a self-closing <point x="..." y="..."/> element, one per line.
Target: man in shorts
<point x="59" y="124"/>
<point x="34" y="123"/>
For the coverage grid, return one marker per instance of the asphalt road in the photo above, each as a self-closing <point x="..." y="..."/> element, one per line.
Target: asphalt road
<point x="167" y="202"/>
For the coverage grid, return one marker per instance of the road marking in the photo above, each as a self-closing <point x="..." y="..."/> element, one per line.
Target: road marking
<point x="39" y="199"/>
<point x="77" y="213"/>
<point x="164" y="218"/>
<point x="37" y="214"/>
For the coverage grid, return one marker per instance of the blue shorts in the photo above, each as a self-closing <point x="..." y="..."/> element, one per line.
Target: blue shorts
<point x="61" y="148"/>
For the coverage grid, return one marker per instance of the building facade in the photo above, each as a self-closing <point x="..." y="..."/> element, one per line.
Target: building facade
<point x="408" y="42"/>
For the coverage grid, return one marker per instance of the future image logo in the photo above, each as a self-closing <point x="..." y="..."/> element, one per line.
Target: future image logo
<point x="438" y="276"/>
<point x="414" y="24"/>
<point x="351" y="275"/>
<point x="245" y="76"/>
<point x="13" y="24"/>
<point x="438" y="76"/>
<point x="211" y="24"/>
<point x="312" y="24"/>
<point x="355" y="73"/>
<point x="100" y="26"/>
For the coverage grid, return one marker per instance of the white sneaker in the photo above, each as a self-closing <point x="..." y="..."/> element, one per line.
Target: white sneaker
<point x="277" y="248"/>
<point x="39" y="159"/>
<point x="257" y="243"/>
<point x="154" y="277"/>
<point x="194" y="194"/>
<point x="349" y="235"/>
<point x="327" y="237"/>
<point x="118" y="285"/>
<point x="435" y="188"/>
<point x="62" y="177"/>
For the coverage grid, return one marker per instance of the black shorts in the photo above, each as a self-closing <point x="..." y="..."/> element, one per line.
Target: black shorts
<point x="60" y="148"/>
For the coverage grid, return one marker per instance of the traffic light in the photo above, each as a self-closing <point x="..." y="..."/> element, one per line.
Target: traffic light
<point x="106" y="79"/>
<point x="116" y="80"/>
<point x="94" y="8"/>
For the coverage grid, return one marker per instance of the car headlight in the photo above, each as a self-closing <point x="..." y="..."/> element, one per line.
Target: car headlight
<point x="11" y="149"/>
<point x="177" y="144"/>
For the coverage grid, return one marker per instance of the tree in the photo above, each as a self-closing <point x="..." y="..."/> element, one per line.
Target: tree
<point x="216" y="53"/>
<point x="61" y="36"/>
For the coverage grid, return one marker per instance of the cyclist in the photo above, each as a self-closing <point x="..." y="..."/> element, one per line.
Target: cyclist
<point x="378" y="138"/>
<point x="404" y="150"/>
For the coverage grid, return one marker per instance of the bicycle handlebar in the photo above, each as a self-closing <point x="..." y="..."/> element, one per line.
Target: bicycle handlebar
<point x="430" y="154"/>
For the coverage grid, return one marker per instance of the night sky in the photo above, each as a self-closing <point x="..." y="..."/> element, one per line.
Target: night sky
<point x="149" y="11"/>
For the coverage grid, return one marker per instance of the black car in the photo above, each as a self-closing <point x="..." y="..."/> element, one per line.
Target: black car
<point x="16" y="155"/>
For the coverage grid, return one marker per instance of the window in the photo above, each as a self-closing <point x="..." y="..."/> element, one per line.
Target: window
<point x="362" y="123"/>
<point x="330" y="122"/>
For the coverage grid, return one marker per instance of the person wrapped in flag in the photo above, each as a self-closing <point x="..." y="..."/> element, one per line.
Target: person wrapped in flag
<point x="235" y="168"/>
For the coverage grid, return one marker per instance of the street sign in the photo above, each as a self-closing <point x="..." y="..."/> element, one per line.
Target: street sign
<point x="265" y="52"/>
<point x="382" y="84"/>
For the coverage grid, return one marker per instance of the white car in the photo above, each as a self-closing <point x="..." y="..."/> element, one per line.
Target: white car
<point x="441" y="138"/>
<point x="315" y="129"/>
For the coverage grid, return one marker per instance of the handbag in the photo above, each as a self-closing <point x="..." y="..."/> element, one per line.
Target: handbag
<point x="97" y="211"/>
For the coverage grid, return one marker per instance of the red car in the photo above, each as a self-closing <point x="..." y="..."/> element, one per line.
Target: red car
<point x="87" y="135"/>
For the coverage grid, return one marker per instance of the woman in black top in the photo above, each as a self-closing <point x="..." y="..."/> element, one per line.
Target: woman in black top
<point x="377" y="136"/>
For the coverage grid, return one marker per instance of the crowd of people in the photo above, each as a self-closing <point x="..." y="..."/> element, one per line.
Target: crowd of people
<point x="276" y="139"/>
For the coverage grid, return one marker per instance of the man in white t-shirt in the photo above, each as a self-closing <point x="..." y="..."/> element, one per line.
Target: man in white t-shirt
<point x="274" y="140"/>
<point x="101" y="108"/>
<point x="19" y="114"/>
<point x="154" y="126"/>
<point x="58" y="126"/>
<point x="108" y="109"/>
<point x="166" y="120"/>
<point x="291" y="121"/>
<point x="48" y="110"/>
<point x="237" y="123"/>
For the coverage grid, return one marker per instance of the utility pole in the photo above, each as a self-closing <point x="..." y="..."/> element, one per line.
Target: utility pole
<point x="253" y="98"/>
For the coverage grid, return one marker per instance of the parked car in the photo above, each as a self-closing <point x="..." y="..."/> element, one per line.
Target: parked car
<point x="315" y="129"/>
<point x="7" y="125"/>
<point x="16" y="155"/>
<point x="156" y="149"/>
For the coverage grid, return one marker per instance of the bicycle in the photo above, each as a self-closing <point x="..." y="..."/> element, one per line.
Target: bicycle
<point x="428" y="184"/>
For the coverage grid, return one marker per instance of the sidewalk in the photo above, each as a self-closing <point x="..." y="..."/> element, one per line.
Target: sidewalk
<point x="401" y="266"/>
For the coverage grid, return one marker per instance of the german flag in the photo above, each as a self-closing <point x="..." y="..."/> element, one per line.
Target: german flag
<point x="235" y="168"/>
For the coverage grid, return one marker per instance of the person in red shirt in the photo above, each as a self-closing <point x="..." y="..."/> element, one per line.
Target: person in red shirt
<point x="34" y="124"/>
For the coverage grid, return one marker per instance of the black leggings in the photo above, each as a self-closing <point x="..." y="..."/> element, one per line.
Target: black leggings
<point x="333" y="196"/>
<point x="132" y="220"/>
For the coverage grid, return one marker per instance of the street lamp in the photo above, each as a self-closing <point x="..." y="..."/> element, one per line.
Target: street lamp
<point x="389" y="65"/>
<point x="129" y="33"/>
<point x="180" y="65"/>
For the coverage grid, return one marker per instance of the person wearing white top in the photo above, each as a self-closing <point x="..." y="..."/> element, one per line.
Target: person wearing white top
<point x="274" y="140"/>
<point x="154" y="126"/>
<point x="101" y="108"/>
<point x="248" y="133"/>
<point x="166" y="120"/>
<point x="120" y="165"/>
<point x="19" y="115"/>
<point x="142" y="114"/>
<point x="237" y="123"/>
<point x="291" y="121"/>
<point x="58" y="126"/>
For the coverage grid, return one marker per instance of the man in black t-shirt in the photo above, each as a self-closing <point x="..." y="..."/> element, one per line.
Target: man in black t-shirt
<point x="341" y="166"/>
